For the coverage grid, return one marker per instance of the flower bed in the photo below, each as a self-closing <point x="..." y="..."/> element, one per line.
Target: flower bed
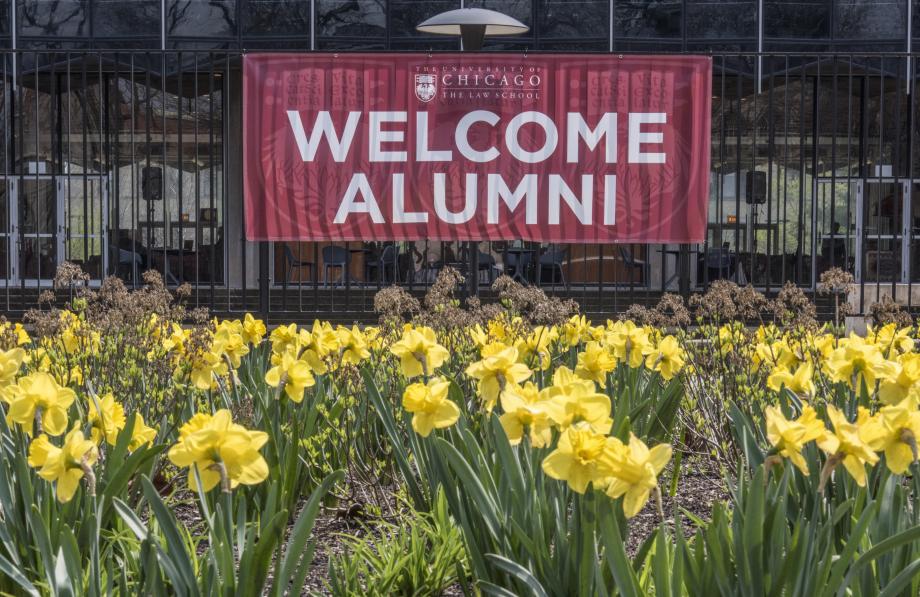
<point x="462" y="451"/>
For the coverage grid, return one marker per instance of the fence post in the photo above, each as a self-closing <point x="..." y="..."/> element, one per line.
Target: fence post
<point x="474" y="268"/>
<point x="683" y="271"/>
<point x="263" y="280"/>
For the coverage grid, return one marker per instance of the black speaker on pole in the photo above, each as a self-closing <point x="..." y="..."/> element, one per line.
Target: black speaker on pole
<point x="755" y="187"/>
<point x="152" y="183"/>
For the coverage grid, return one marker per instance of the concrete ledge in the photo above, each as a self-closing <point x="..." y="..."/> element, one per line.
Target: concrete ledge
<point x="904" y="294"/>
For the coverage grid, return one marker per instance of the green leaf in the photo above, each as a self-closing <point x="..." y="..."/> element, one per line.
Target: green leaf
<point x="902" y="580"/>
<point x="491" y="589"/>
<point x="176" y="548"/>
<point x="131" y="519"/>
<point x="385" y="413"/>
<point x="845" y="558"/>
<point x="881" y="548"/>
<point x="63" y="586"/>
<point x="257" y="555"/>
<point x="297" y="555"/>
<point x="17" y="576"/>
<point x="518" y="572"/>
<point x="615" y="556"/>
<point x="486" y="506"/>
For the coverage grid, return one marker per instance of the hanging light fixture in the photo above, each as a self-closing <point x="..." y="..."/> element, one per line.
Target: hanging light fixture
<point x="472" y="25"/>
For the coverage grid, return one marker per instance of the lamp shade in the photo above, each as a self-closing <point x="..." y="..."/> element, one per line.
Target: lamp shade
<point x="453" y="22"/>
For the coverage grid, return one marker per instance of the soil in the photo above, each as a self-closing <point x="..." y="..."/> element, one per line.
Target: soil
<point x="697" y="490"/>
<point x="699" y="487"/>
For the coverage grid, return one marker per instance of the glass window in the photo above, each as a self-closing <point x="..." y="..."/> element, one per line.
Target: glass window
<point x="553" y="45"/>
<point x="52" y="18"/>
<point x="652" y="18"/>
<point x="424" y="44"/>
<point x="915" y="18"/>
<point x="573" y="19"/>
<point x="353" y="18"/>
<point x="521" y="10"/>
<point x="870" y="19"/>
<point x="350" y="44"/>
<point x="126" y="18"/>
<point x="262" y="43"/>
<point x="727" y="57"/>
<point x="711" y="19"/>
<point x="201" y="18"/>
<point x="276" y="17"/>
<point x="5" y="19"/>
<point x="796" y="18"/>
<point x="406" y="14"/>
<point x="650" y="47"/>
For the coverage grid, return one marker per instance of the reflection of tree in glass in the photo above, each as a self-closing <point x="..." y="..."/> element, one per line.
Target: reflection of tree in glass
<point x="653" y="18"/>
<point x="573" y="20"/>
<point x="58" y="17"/>
<point x="352" y="17"/>
<point x="195" y="17"/>
<point x="870" y="19"/>
<point x="277" y="17"/>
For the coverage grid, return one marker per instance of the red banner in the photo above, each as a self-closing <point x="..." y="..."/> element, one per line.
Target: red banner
<point x="557" y="148"/>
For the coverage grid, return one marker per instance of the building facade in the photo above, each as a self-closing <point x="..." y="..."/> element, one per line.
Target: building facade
<point x="121" y="148"/>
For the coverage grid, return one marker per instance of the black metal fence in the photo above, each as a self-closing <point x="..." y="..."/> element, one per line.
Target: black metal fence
<point x="123" y="162"/>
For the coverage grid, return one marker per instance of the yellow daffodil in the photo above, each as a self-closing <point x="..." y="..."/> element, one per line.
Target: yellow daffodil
<point x="855" y="362"/>
<point x="352" y="345"/>
<point x="64" y="466"/>
<point x="74" y="376"/>
<point x="894" y="389"/>
<point x="533" y="350"/>
<point x="594" y="363"/>
<point x="850" y="444"/>
<point x="575" y="330"/>
<point x="294" y="373"/>
<point x="630" y="343"/>
<point x="577" y="458"/>
<point x="777" y="354"/>
<point x="895" y="430"/>
<point x="497" y="371"/>
<point x="419" y="352"/>
<point x="141" y="434"/>
<point x="222" y="452"/>
<point x="430" y="406"/>
<point x="230" y="343"/>
<point x="284" y="338"/>
<point x="177" y="339"/>
<point x="39" y="449"/>
<point x="667" y="358"/>
<point x="789" y="437"/>
<point x="634" y="471"/>
<point x="253" y="329"/>
<point x="22" y="337"/>
<point x="479" y="336"/>
<point x="39" y="394"/>
<point x="891" y="340"/>
<point x="107" y="418"/>
<point x="575" y="401"/>
<point x="801" y="382"/>
<point x="205" y="366"/>
<point x="525" y="411"/>
<point x="10" y="363"/>
<point x="824" y="345"/>
<point x="501" y="330"/>
<point x="730" y="336"/>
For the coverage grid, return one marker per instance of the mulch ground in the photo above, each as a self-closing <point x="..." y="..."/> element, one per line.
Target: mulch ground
<point x="698" y="488"/>
<point x="697" y="491"/>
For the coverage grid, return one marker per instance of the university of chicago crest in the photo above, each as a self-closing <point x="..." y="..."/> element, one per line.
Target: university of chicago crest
<point x="425" y="87"/>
